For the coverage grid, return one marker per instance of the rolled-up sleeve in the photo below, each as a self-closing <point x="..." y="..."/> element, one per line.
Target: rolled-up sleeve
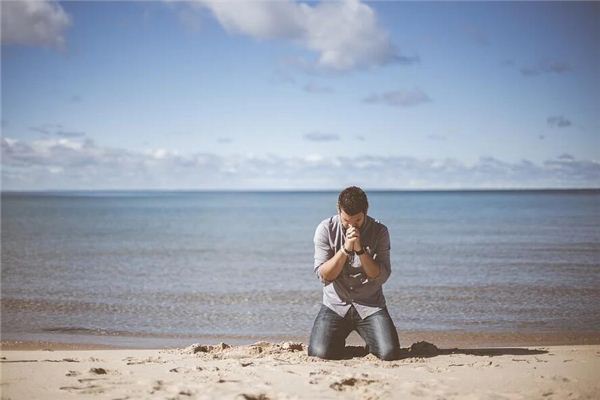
<point x="381" y="256"/>
<point x="323" y="250"/>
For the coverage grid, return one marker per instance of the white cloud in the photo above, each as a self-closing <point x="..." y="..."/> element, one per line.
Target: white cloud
<point x="34" y="23"/>
<point x="259" y="19"/>
<point x="314" y="158"/>
<point x="81" y="164"/>
<point x="345" y="35"/>
<point x="160" y="154"/>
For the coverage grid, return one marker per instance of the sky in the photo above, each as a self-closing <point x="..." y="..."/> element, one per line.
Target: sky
<point x="299" y="95"/>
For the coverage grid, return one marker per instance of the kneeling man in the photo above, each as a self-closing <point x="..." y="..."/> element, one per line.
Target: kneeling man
<point x="352" y="260"/>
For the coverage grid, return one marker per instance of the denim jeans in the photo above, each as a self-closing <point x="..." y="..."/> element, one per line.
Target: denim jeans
<point x="329" y="333"/>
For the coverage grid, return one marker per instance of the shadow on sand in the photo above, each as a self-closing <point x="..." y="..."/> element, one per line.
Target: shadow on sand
<point x="426" y="349"/>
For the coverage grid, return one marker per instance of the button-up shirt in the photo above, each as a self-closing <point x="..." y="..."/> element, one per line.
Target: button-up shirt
<point x="352" y="286"/>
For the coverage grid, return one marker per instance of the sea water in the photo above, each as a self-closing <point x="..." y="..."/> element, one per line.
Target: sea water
<point x="185" y="264"/>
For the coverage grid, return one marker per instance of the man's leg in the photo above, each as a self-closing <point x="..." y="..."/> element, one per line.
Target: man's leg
<point x="380" y="334"/>
<point x="328" y="336"/>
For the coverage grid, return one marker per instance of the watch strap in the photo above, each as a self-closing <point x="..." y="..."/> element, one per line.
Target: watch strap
<point x="346" y="252"/>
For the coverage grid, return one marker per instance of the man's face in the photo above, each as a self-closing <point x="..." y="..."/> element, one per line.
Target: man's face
<point x="352" y="220"/>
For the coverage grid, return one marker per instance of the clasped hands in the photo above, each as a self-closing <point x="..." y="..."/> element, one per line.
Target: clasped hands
<point x="353" y="239"/>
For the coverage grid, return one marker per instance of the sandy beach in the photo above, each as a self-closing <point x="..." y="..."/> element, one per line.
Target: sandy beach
<point x="284" y="371"/>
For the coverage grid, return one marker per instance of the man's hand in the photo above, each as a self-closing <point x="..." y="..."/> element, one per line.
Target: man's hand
<point x="370" y="267"/>
<point x="353" y="238"/>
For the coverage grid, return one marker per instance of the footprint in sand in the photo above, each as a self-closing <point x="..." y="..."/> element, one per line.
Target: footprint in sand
<point x="260" y="396"/>
<point x="85" y="389"/>
<point x="316" y="376"/>
<point x="157" y="386"/>
<point x="183" y="370"/>
<point x="350" y="383"/>
<point x="562" y="379"/>
<point x="149" y="360"/>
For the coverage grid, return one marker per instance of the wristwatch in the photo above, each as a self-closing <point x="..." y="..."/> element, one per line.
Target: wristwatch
<point x="360" y="252"/>
<point x="346" y="252"/>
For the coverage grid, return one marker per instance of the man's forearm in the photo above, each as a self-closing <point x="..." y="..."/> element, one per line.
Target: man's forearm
<point x="369" y="265"/>
<point x="331" y="268"/>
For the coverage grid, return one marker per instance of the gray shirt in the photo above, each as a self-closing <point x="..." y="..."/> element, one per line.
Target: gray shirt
<point x="353" y="286"/>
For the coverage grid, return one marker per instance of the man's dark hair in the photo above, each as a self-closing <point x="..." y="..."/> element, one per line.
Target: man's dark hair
<point x="353" y="200"/>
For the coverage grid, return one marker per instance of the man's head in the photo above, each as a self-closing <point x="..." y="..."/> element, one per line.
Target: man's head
<point x="352" y="206"/>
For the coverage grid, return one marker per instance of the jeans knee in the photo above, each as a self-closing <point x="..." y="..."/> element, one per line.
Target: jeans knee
<point x="317" y="352"/>
<point x="321" y="352"/>
<point x="387" y="354"/>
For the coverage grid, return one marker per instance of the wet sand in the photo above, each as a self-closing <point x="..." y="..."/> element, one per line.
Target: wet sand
<point x="443" y="339"/>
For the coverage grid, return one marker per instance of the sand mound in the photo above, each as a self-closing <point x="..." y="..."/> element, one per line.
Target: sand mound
<point x="259" y="349"/>
<point x="296" y="349"/>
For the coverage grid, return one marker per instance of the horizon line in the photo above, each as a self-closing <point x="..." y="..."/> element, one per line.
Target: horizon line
<point x="242" y="190"/>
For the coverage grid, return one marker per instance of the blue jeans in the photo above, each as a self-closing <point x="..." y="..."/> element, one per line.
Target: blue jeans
<point x="329" y="333"/>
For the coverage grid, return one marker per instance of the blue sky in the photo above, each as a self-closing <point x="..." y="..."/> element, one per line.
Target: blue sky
<point x="300" y="95"/>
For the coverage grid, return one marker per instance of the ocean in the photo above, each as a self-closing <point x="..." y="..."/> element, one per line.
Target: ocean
<point x="171" y="266"/>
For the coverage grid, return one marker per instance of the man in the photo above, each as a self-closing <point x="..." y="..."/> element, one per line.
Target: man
<point x="352" y="260"/>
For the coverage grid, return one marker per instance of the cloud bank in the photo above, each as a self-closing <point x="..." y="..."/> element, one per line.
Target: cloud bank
<point x="34" y="23"/>
<point x="67" y="163"/>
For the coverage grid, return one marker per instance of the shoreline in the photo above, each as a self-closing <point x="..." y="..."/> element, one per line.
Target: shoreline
<point x="445" y="339"/>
